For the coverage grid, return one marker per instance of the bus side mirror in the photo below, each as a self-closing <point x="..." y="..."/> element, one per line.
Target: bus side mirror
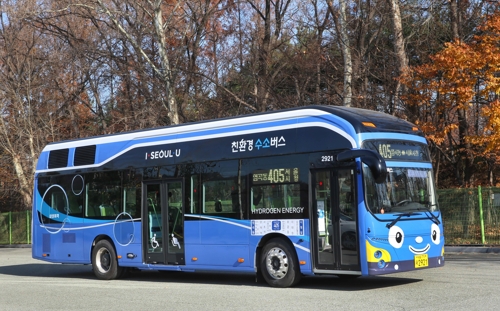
<point x="371" y="158"/>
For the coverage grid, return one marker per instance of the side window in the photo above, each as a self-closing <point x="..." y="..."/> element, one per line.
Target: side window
<point x="217" y="196"/>
<point x="132" y="188"/>
<point x="62" y="195"/>
<point x="275" y="196"/>
<point x="222" y="189"/>
<point x="277" y="191"/>
<point x="103" y="195"/>
<point x="346" y="192"/>
<point x="193" y="201"/>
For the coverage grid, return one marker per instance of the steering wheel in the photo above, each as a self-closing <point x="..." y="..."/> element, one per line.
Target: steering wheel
<point x="403" y="202"/>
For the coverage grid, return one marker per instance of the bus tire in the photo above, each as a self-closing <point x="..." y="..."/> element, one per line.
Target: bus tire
<point x="104" y="262"/>
<point x="278" y="264"/>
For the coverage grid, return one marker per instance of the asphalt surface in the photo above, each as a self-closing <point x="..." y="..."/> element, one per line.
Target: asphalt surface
<point x="468" y="282"/>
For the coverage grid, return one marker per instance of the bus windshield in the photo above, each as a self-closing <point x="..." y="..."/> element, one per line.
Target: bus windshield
<point x="405" y="190"/>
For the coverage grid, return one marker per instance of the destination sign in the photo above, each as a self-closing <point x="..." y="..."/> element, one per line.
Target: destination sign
<point x="276" y="176"/>
<point x="399" y="150"/>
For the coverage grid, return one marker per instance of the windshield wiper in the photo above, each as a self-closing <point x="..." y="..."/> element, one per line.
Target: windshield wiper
<point x="432" y="216"/>
<point x="399" y="217"/>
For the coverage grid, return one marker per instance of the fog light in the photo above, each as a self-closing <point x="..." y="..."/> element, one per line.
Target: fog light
<point x="381" y="264"/>
<point x="378" y="254"/>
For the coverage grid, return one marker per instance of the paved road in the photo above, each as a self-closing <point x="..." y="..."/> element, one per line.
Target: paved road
<point x="468" y="281"/>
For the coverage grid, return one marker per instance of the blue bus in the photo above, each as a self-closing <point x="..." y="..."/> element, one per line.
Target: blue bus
<point x="316" y="190"/>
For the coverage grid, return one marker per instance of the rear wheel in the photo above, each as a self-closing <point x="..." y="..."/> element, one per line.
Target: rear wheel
<point x="104" y="262"/>
<point x="279" y="264"/>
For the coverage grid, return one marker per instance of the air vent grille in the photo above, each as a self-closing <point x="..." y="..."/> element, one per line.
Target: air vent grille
<point x="58" y="158"/>
<point x="85" y="155"/>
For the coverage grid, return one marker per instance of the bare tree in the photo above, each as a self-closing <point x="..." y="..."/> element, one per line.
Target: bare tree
<point x="268" y="41"/>
<point x="30" y="110"/>
<point x="345" y="47"/>
<point x="155" y="10"/>
<point x="399" y="51"/>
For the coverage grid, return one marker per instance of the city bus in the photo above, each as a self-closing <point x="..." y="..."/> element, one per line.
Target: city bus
<point x="308" y="191"/>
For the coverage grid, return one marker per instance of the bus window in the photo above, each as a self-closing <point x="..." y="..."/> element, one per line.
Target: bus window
<point x="346" y="194"/>
<point x="103" y="199"/>
<point x="192" y="200"/>
<point x="217" y="196"/>
<point x="275" y="196"/>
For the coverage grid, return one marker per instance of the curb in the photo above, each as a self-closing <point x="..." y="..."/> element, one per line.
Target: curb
<point x="471" y="249"/>
<point x="15" y="246"/>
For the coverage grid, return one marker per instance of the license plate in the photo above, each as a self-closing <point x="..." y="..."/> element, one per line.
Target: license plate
<point x="421" y="261"/>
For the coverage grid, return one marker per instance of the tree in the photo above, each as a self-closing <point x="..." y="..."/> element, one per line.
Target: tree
<point x="399" y="49"/>
<point x="32" y="110"/>
<point x="345" y="47"/>
<point x="163" y="15"/>
<point x="457" y="98"/>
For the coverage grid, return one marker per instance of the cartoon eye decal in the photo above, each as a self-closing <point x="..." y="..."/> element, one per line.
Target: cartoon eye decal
<point x="396" y="237"/>
<point x="435" y="234"/>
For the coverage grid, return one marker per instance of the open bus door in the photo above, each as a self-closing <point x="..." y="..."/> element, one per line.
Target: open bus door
<point x="335" y="223"/>
<point x="163" y="222"/>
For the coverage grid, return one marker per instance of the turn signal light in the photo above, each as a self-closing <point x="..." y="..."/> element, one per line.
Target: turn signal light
<point x="194" y="259"/>
<point x="240" y="260"/>
<point x="302" y="262"/>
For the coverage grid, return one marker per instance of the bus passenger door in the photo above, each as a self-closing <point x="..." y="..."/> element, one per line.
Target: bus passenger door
<point x="163" y="221"/>
<point x="335" y="224"/>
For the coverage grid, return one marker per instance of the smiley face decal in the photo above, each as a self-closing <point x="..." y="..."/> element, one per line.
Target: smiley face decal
<point x="405" y="248"/>
<point x="396" y="238"/>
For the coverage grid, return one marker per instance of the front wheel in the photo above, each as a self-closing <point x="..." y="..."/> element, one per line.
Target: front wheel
<point x="279" y="264"/>
<point x="104" y="262"/>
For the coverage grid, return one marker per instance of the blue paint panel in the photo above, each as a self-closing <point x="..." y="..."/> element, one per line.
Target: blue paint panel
<point x="43" y="161"/>
<point x="219" y="255"/>
<point x="134" y="248"/>
<point x="68" y="238"/>
<point x="224" y="231"/>
<point x="192" y="232"/>
<point x="68" y="252"/>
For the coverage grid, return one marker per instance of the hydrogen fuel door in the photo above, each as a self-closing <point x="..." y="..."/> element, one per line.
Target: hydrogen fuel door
<point x="335" y="225"/>
<point x="163" y="217"/>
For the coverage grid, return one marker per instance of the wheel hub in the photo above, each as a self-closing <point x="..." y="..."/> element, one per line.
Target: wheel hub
<point x="277" y="263"/>
<point x="103" y="260"/>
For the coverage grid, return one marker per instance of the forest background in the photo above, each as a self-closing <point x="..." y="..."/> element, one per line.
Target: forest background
<point x="79" y="68"/>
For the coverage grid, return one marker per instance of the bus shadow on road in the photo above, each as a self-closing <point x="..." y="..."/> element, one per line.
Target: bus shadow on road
<point x="68" y="271"/>
<point x="49" y="270"/>
<point x="359" y="284"/>
<point x="313" y="282"/>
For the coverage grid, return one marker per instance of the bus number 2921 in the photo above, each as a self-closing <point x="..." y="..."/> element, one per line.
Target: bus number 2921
<point x="327" y="158"/>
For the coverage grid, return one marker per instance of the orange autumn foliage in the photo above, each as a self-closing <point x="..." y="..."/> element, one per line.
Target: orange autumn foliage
<point x="455" y="97"/>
